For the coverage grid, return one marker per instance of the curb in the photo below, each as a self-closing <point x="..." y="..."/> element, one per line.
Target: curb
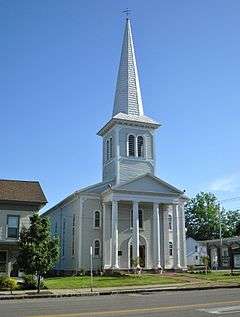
<point x="118" y="292"/>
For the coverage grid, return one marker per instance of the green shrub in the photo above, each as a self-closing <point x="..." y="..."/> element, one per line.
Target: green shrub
<point x="11" y="284"/>
<point x="30" y="282"/>
<point x="3" y="280"/>
<point x="7" y="283"/>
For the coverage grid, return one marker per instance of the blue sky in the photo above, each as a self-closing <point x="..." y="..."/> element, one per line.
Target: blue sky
<point x="59" y="60"/>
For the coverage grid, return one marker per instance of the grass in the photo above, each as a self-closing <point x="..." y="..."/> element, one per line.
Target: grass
<point x="109" y="281"/>
<point x="217" y="277"/>
<point x="76" y="282"/>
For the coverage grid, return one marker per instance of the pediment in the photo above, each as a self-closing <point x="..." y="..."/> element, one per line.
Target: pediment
<point x="149" y="183"/>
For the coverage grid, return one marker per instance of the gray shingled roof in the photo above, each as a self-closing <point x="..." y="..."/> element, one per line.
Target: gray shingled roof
<point x="21" y="191"/>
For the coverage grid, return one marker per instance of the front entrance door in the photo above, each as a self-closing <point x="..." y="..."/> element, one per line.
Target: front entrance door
<point x="141" y="256"/>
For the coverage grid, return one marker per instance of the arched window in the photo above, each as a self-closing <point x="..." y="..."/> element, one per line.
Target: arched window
<point x="131" y="145"/>
<point x="97" y="219"/>
<point x="170" y="222"/>
<point x="140" y="146"/>
<point x="97" y="248"/>
<point x="170" y="246"/>
<point x="140" y="218"/>
<point x="108" y="149"/>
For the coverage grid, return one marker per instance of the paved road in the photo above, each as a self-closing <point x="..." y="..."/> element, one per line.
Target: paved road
<point x="207" y="303"/>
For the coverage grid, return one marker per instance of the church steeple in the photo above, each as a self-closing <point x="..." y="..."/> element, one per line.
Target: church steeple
<point x="128" y="99"/>
<point x="128" y="137"/>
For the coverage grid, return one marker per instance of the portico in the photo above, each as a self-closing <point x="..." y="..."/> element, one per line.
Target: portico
<point x="122" y="243"/>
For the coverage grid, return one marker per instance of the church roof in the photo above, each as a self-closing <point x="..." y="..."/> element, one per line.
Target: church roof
<point x="128" y="105"/>
<point x="128" y="97"/>
<point x="123" y="118"/>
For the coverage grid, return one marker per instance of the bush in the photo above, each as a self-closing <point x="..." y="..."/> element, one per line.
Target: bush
<point x="7" y="283"/>
<point x="11" y="284"/>
<point x="3" y="280"/>
<point x="29" y="282"/>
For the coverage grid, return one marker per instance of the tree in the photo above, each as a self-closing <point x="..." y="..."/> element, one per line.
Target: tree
<point x="231" y="223"/>
<point x="38" y="250"/>
<point x="202" y="217"/>
<point x="238" y="229"/>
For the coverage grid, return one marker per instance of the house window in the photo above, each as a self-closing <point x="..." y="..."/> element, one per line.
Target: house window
<point x="196" y="248"/>
<point x="140" y="146"/>
<point x="73" y="236"/>
<point x="13" y="227"/>
<point x="97" y="219"/>
<point x="97" y="248"/>
<point x="170" y="247"/>
<point x="131" y="145"/>
<point x="196" y="257"/>
<point x="140" y="218"/>
<point x="170" y="222"/>
<point x="3" y="262"/>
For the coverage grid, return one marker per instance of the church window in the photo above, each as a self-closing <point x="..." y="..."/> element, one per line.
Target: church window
<point x="73" y="235"/>
<point x="131" y="145"/>
<point x="140" y="146"/>
<point x="110" y="148"/>
<point x="97" y="248"/>
<point x="97" y="219"/>
<point x="140" y="218"/>
<point x="170" y="247"/>
<point x="63" y="237"/>
<point x="170" y="222"/>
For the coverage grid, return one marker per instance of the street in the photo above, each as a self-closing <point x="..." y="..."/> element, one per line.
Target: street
<point x="172" y="304"/>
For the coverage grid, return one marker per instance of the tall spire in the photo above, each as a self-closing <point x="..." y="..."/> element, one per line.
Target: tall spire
<point x="128" y="98"/>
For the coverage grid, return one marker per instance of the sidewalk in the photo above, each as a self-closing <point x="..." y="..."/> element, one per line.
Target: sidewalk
<point x="56" y="293"/>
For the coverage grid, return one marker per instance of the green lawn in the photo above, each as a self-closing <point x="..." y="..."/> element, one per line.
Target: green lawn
<point x="105" y="281"/>
<point x="217" y="277"/>
<point x="72" y="282"/>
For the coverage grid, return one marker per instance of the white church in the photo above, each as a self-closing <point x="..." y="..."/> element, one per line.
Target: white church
<point x="131" y="217"/>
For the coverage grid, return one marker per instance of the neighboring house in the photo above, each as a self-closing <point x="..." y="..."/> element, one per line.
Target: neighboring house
<point x="195" y="251"/>
<point x="223" y="254"/>
<point x="18" y="201"/>
<point x="131" y="214"/>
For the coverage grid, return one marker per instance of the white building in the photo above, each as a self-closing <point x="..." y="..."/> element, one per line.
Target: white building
<point x="131" y="214"/>
<point x="195" y="251"/>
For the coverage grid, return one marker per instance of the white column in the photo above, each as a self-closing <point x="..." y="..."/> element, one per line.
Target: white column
<point x="156" y="236"/>
<point x="105" y="238"/>
<point x="135" y="236"/>
<point x="115" y="234"/>
<point x="176" y="240"/>
<point x="166" y="236"/>
<point x="183" y="249"/>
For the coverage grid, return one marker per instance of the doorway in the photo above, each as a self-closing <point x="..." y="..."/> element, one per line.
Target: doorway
<point x="142" y="256"/>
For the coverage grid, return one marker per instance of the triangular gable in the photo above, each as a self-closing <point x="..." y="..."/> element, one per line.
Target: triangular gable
<point x="148" y="183"/>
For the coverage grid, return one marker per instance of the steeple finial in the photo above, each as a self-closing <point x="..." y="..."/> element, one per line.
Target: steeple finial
<point x="127" y="12"/>
<point x="128" y="98"/>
